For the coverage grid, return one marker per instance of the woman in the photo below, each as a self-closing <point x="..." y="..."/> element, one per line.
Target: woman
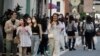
<point x="66" y="23"/>
<point x="89" y="30"/>
<point x="62" y="33"/>
<point x="24" y="33"/>
<point x="44" y="42"/>
<point x="54" y="32"/>
<point x="71" y="33"/>
<point x="36" y="36"/>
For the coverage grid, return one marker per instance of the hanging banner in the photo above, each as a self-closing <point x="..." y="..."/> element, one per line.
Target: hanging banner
<point x="52" y="6"/>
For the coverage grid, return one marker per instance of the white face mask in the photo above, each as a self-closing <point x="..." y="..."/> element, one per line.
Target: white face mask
<point x="84" y="21"/>
<point x="33" y="20"/>
<point x="60" y="16"/>
<point x="29" y="21"/>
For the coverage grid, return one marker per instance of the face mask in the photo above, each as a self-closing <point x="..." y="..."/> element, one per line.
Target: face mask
<point x="60" y="16"/>
<point x="29" y="21"/>
<point x="33" y="20"/>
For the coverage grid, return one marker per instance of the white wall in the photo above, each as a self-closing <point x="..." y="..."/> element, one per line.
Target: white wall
<point x="11" y="4"/>
<point x="97" y="7"/>
<point x="22" y="3"/>
<point x="62" y="7"/>
<point x="8" y="4"/>
<point x="32" y="7"/>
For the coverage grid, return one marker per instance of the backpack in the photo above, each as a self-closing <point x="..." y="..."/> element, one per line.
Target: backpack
<point x="74" y="29"/>
<point x="93" y="30"/>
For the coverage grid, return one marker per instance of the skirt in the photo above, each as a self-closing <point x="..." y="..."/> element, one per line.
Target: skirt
<point x="71" y="33"/>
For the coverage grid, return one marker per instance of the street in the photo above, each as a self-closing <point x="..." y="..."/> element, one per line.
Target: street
<point x="80" y="52"/>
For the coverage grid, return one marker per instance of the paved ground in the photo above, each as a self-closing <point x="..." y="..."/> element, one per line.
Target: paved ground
<point x="81" y="52"/>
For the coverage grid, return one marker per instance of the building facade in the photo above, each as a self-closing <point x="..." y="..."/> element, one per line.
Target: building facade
<point x="58" y="7"/>
<point x="67" y="6"/>
<point x="88" y="6"/>
<point x="31" y="7"/>
<point x="96" y="4"/>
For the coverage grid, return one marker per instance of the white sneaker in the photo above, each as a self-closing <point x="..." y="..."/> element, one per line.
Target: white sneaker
<point x="42" y="55"/>
<point x="89" y="49"/>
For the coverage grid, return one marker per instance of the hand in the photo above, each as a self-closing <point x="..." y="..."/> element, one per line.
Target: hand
<point x="62" y="29"/>
<point x="14" y="27"/>
<point x="26" y="30"/>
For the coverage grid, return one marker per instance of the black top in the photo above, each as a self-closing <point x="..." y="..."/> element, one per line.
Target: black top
<point x="14" y="31"/>
<point x="13" y="22"/>
<point x="35" y="29"/>
<point x="44" y="25"/>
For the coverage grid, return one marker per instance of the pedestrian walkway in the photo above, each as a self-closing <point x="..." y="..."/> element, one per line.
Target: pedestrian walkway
<point x="80" y="52"/>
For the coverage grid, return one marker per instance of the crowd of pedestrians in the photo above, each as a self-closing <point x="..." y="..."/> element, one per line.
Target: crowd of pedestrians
<point x="53" y="35"/>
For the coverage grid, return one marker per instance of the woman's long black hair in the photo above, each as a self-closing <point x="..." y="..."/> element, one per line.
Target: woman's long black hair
<point x="44" y="24"/>
<point x="62" y="18"/>
<point x="71" y="18"/>
<point x="89" y="19"/>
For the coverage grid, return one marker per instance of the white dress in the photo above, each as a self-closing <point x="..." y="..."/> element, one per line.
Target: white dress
<point x="55" y="30"/>
<point x="24" y="34"/>
<point x="62" y="35"/>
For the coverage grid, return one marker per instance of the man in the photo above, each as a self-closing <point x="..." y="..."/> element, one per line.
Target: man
<point x="10" y="29"/>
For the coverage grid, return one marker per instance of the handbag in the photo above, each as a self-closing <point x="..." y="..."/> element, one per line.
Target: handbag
<point x="17" y="40"/>
<point x="51" y="35"/>
<point x="74" y="28"/>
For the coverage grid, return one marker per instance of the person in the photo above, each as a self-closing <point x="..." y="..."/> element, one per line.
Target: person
<point x="25" y="16"/>
<point x="77" y="33"/>
<point x="66" y="23"/>
<point x="82" y="32"/>
<point x="24" y="33"/>
<point x="44" y="42"/>
<point x="54" y="30"/>
<point x="63" y="33"/>
<point x="10" y="30"/>
<point x="36" y="36"/>
<point x="71" y="33"/>
<point x="1" y="40"/>
<point x="89" y="31"/>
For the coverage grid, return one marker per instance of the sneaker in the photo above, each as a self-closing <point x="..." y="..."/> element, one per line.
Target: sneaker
<point x="89" y="49"/>
<point x="73" y="49"/>
<point x="94" y="48"/>
<point x="42" y="55"/>
<point x="84" y="47"/>
<point x="70" y="49"/>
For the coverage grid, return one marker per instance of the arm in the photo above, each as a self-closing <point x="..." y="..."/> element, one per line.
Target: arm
<point x="30" y="31"/>
<point x="49" y="27"/>
<point x="17" y="31"/>
<point x="40" y="28"/>
<point x="8" y="28"/>
<point x="64" y="30"/>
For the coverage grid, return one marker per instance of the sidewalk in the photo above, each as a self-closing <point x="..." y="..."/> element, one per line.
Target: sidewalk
<point x="80" y="52"/>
